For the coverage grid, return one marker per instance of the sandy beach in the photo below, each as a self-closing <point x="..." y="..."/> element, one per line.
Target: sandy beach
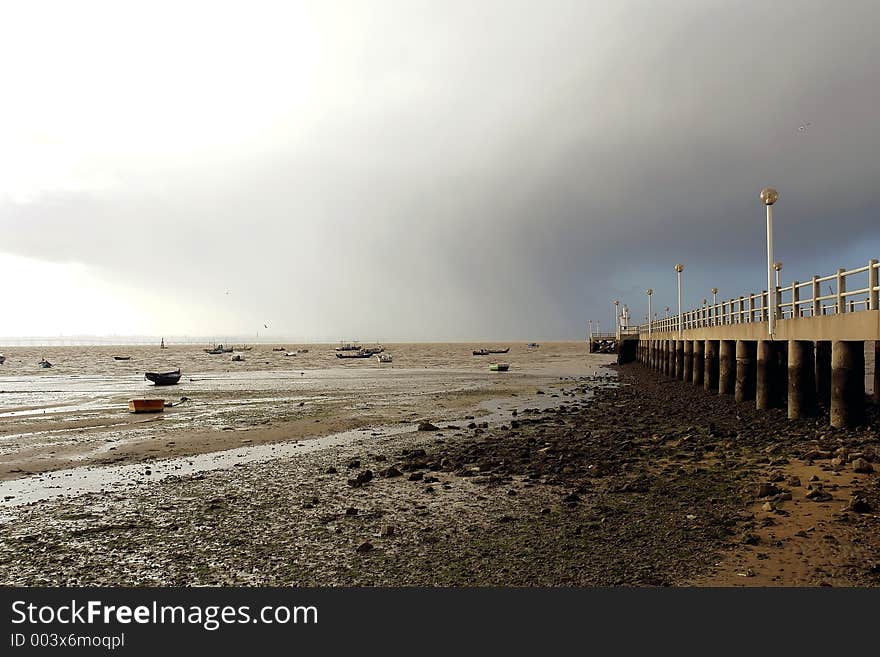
<point x="76" y="413"/>
<point x="613" y="477"/>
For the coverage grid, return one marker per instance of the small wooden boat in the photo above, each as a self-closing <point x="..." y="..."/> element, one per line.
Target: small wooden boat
<point x="349" y="346"/>
<point x="219" y="349"/>
<point x="378" y="349"/>
<point x="350" y="354"/>
<point x="279" y="348"/>
<point x="2" y="359"/>
<point x="533" y="345"/>
<point x="498" y="351"/>
<point x="163" y="378"/>
<point x="237" y="358"/>
<point x="146" y="405"/>
<point x="383" y="358"/>
<point x="291" y="353"/>
<point x="122" y="358"/>
<point x="499" y="367"/>
<point x="302" y="351"/>
<point x="481" y="352"/>
<point x="45" y="364"/>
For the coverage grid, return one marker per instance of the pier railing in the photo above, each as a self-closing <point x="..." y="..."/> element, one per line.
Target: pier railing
<point x="848" y="290"/>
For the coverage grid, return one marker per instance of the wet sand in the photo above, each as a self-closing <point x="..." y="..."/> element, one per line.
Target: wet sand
<point x="77" y="412"/>
<point x="634" y="480"/>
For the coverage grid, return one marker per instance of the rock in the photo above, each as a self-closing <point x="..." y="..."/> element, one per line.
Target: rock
<point x="365" y="547"/>
<point x="862" y="466"/>
<point x="380" y="457"/>
<point x="386" y="531"/>
<point x="819" y="495"/>
<point x="472" y="425"/>
<point x="427" y="426"/>
<point x="750" y="539"/>
<point x="767" y="489"/>
<point x="331" y="470"/>
<point x="416" y="476"/>
<point x="514" y="424"/>
<point x="858" y="505"/>
<point x="351" y="511"/>
<point x="354" y="464"/>
<point x="767" y="506"/>
<point x="361" y="479"/>
<point x="794" y="482"/>
<point x="390" y="472"/>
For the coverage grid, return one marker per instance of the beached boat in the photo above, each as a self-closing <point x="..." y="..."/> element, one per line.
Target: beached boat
<point x="237" y="358"/>
<point x="481" y="352"/>
<point x="163" y="378"/>
<point x="122" y="358"/>
<point x="219" y="349"/>
<point x="348" y="346"/>
<point x="146" y="405"/>
<point x="533" y="345"/>
<point x="291" y="353"/>
<point x="378" y="349"/>
<point x="45" y="364"/>
<point x="351" y="354"/>
<point x="499" y="367"/>
<point x="383" y="358"/>
<point x="302" y="351"/>
<point x="498" y="351"/>
<point x="279" y="348"/>
<point x="2" y="359"/>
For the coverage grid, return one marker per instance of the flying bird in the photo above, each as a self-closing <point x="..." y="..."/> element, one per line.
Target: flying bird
<point x="803" y="127"/>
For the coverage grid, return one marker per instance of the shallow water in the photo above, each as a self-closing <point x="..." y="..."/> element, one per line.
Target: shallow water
<point x="87" y="479"/>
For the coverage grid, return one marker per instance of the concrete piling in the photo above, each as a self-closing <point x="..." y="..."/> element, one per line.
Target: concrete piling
<point x="801" y="379"/>
<point x="726" y="367"/>
<point x="847" y="383"/>
<point x="679" y="359"/>
<point x="877" y="371"/>
<point x="823" y="372"/>
<point x="667" y="358"/>
<point x="699" y="357"/>
<point x="710" y="366"/>
<point x="688" y="357"/>
<point x="769" y="379"/>
<point x="746" y="357"/>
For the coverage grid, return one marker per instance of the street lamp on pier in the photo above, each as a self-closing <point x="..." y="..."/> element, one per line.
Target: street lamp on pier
<point x="678" y="269"/>
<point x="616" y="320"/>
<point x="777" y="267"/>
<point x="650" y="293"/>
<point x="769" y="196"/>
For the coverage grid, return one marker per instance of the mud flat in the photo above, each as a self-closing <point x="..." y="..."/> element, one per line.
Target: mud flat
<point x="614" y="481"/>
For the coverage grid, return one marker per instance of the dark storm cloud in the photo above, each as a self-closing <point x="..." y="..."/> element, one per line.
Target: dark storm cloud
<point x="505" y="169"/>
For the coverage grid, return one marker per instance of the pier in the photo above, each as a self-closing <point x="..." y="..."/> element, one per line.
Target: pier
<point x="794" y="347"/>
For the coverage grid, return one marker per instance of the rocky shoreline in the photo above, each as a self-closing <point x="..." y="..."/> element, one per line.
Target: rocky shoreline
<point x="634" y="480"/>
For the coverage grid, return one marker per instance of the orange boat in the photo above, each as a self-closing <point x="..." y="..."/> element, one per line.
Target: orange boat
<point x="146" y="405"/>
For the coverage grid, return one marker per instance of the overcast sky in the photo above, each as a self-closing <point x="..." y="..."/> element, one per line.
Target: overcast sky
<point x="423" y="170"/>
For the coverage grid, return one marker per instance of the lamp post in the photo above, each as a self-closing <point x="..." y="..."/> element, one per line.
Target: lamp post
<point x="616" y="320"/>
<point x="714" y="292"/>
<point x="591" y="331"/>
<point x="678" y="269"/>
<point x="769" y="196"/>
<point x="650" y="293"/>
<point x="777" y="267"/>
